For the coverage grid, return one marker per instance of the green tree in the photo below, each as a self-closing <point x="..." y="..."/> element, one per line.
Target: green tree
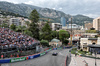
<point x="44" y="42"/>
<point x="0" y="25"/>
<point x="55" y="34"/>
<point x="27" y="23"/>
<point x="34" y="17"/>
<point x="20" y="28"/>
<point x="91" y="31"/>
<point x="65" y="42"/>
<point x="13" y="27"/>
<point x="63" y="35"/>
<point x="27" y="32"/>
<point x="96" y="36"/>
<point x="46" y="32"/>
<point x="5" y="25"/>
<point x="23" y="28"/>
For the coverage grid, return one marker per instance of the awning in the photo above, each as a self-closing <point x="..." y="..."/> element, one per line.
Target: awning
<point x="92" y="38"/>
<point x="94" y="46"/>
<point x="85" y="42"/>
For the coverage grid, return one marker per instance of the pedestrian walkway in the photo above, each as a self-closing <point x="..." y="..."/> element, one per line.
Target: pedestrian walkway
<point x="80" y="61"/>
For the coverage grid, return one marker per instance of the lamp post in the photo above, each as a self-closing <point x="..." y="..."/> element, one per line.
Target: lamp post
<point x="79" y="43"/>
<point x="94" y="49"/>
<point x="71" y="30"/>
<point x="95" y="58"/>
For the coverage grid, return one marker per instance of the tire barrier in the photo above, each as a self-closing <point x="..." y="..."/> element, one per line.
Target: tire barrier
<point x="17" y="59"/>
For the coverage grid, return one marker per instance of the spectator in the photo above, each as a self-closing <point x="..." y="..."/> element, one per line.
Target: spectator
<point x="11" y="39"/>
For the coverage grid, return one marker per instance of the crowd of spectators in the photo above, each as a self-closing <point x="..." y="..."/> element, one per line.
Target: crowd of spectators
<point x="11" y="39"/>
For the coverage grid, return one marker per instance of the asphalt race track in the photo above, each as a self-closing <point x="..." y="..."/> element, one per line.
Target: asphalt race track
<point x="46" y="60"/>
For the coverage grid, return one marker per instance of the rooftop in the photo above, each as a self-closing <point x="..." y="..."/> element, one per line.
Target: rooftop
<point x="55" y="40"/>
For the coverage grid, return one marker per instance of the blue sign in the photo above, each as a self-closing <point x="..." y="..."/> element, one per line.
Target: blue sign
<point x="5" y="61"/>
<point x="30" y="57"/>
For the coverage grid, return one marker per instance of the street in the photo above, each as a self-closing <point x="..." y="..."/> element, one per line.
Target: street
<point x="46" y="60"/>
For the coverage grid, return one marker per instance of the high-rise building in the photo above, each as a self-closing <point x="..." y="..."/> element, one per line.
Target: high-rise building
<point x="63" y="21"/>
<point x="96" y="24"/>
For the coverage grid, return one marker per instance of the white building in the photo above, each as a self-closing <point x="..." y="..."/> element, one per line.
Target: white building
<point x="24" y="22"/>
<point x="55" y="43"/>
<point x="15" y="21"/>
<point x="56" y="26"/>
<point x="84" y="42"/>
<point x="74" y="26"/>
<point x="19" y="21"/>
<point x="96" y="24"/>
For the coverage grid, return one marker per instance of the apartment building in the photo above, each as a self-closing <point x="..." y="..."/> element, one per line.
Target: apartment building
<point x="74" y="26"/>
<point x="41" y="24"/>
<point x="15" y="21"/>
<point x="84" y="42"/>
<point x="4" y="20"/>
<point x="56" y="26"/>
<point x="53" y="26"/>
<point x="96" y="24"/>
<point x="88" y="26"/>
<point x="19" y="21"/>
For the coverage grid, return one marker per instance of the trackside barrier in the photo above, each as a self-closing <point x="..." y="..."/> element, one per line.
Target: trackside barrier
<point x="18" y="59"/>
<point x="48" y="50"/>
<point x="38" y="55"/>
<point x="33" y="56"/>
<point x="59" y="48"/>
<point x="30" y="57"/>
<point x="41" y="54"/>
<point x="54" y="48"/>
<point x="67" y="47"/>
<point x="5" y="61"/>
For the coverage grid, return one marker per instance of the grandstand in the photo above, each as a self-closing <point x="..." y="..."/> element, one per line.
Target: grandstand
<point x="14" y="42"/>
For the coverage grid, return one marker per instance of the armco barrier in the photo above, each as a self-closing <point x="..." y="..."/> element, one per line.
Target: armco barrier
<point x="5" y="61"/>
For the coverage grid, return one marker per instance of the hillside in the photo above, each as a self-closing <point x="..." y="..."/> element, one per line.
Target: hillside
<point x="5" y="13"/>
<point x="24" y="9"/>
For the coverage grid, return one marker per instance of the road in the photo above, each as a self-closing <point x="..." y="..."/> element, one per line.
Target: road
<point x="46" y="60"/>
